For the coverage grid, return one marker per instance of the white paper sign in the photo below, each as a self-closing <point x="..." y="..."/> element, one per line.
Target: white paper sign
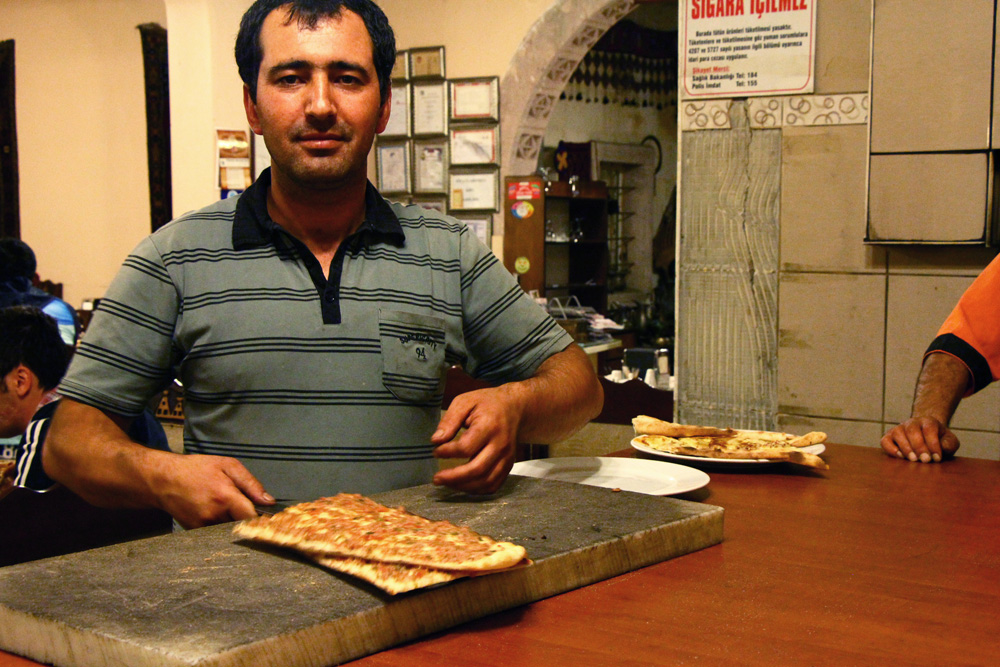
<point x="429" y="109"/>
<point x="473" y="99"/>
<point x="741" y="48"/>
<point x="430" y="169"/>
<point x="399" y="112"/>
<point x="393" y="169"/>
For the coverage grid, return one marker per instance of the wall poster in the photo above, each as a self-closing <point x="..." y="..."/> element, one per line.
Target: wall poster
<point x="233" y="159"/>
<point x="741" y="48"/>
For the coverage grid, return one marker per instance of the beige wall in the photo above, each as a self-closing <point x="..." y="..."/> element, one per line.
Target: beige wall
<point x="81" y="112"/>
<point x="863" y="313"/>
<point x="81" y="131"/>
<point x="205" y="93"/>
<point x="479" y="37"/>
<point x="854" y="320"/>
<point x="203" y="31"/>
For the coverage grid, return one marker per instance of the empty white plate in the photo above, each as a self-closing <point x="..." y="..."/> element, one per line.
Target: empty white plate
<point x="657" y="478"/>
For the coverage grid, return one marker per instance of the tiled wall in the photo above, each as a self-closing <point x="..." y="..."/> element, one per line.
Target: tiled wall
<point x="853" y="320"/>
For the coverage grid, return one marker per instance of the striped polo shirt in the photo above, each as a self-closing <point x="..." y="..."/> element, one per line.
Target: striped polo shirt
<point x="316" y="385"/>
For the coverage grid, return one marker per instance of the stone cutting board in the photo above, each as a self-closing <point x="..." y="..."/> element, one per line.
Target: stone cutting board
<point x="203" y="598"/>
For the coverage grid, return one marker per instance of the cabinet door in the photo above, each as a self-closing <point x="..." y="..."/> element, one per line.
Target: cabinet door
<point x="932" y="65"/>
<point x="929" y="197"/>
<point x="524" y="231"/>
<point x="994" y="140"/>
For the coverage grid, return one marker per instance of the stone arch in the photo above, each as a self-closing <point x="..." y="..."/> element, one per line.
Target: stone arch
<point x="540" y="69"/>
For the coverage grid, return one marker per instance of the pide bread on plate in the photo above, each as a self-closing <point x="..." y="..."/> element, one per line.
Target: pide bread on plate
<point x="727" y="443"/>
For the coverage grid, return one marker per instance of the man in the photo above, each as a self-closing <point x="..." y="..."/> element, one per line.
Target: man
<point x="310" y="322"/>
<point x="962" y="359"/>
<point x="17" y="272"/>
<point x="33" y="359"/>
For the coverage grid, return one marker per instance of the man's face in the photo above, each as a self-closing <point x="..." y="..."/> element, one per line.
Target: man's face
<point x="11" y="422"/>
<point x="318" y="104"/>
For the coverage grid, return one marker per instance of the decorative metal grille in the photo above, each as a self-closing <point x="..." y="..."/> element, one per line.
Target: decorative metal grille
<point x="629" y="66"/>
<point x="728" y="276"/>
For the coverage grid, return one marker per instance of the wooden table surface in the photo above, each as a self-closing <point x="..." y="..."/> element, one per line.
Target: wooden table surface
<point x="875" y="561"/>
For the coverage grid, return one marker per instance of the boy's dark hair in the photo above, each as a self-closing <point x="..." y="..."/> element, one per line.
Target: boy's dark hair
<point x="31" y="337"/>
<point x="308" y="13"/>
<point x="17" y="259"/>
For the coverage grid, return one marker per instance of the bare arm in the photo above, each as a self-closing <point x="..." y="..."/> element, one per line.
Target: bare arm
<point x="563" y="395"/>
<point x="925" y="436"/>
<point x="88" y="451"/>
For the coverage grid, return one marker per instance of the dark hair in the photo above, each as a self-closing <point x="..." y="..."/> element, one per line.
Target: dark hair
<point x="17" y="259"/>
<point x="31" y="337"/>
<point x="308" y="13"/>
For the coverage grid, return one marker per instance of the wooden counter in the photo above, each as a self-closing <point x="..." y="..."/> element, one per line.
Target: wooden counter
<point x="875" y="561"/>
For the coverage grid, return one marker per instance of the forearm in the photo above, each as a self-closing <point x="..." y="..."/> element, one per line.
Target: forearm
<point x="562" y="396"/>
<point x="942" y="383"/>
<point x="89" y="452"/>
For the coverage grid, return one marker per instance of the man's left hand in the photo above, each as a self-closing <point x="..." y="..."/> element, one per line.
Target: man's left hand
<point x="490" y="418"/>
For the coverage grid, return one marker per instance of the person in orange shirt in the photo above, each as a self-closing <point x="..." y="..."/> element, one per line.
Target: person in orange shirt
<point x="961" y="360"/>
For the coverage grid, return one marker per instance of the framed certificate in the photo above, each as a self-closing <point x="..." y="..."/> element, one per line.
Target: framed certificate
<point x="392" y="162"/>
<point x="427" y="62"/>
<point x="430" y="166"/>
<point x="430" y="108"/>
<point x="437" y="203"/>
<point x="401" y="68"/>
<point x="474" y="145"/>
<point x="475" y="99"/>
<point x="474" y="190"/>
<point x="479" y="223"/>
<point x="399" y="112"/>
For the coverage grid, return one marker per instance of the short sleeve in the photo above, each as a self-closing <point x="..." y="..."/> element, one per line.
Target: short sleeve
<point x="971" y="333"/>
<point x="127" y="353"/>
<point x="507" y="334"/>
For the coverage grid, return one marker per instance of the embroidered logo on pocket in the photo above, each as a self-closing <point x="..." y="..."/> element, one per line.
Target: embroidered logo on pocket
<point x="413" y="351"/>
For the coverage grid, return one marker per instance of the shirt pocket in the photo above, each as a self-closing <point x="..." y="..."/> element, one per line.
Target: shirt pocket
<point x="413" y="348"/>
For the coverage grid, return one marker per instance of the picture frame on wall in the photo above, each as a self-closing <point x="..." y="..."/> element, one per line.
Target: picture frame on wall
<point x="401" y="68"/>
<point x="430" y="108"/>
<point x="427" y="62"/>
<point x="481" y="224"/>
<point x="392" y="165"/>
<point x="437" y="203"/>
<point x="474" y="190"/>
<point x="399" y="112"/>
<point x="475" y="99"/>
<point x="430" y="165"/>
<point x="474" y="144"/>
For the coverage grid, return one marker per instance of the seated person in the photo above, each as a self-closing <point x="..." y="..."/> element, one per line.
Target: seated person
<point x="17" y="272"/>
<point x="33" y="360"/>
<point x="961" y="360"/>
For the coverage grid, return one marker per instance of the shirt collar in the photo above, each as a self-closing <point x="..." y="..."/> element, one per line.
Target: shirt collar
<point x="50" y="397"/>
<point x="253" y="226"/>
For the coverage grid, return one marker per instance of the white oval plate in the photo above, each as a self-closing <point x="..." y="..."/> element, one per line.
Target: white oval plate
<point x="687" y="460"/>
<point x="657" y="478"/>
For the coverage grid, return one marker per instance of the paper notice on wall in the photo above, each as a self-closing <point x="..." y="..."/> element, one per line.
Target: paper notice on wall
<point x="233" y="159"/>
<point x="741" y="48"/>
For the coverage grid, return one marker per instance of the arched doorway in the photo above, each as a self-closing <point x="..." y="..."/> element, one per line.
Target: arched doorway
<point x="543" y="64"/>
<point x="554" y="57"/>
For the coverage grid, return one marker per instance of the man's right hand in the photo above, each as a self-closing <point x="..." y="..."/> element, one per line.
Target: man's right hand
<point x="201" y="490"/>
<point x="923" y="439"/>
<point x="89" y="452"/>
